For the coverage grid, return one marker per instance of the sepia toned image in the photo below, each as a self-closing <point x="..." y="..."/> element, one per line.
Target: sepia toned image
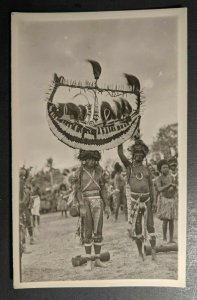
<point x="99" y="122"/>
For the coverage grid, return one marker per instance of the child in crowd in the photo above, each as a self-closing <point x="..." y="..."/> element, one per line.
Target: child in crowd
<point x="35" y="210"/>
<point x="166" y="206"/>
<point x="63" y="199"/>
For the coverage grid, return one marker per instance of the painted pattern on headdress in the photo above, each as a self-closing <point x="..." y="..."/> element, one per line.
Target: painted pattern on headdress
<point x="96" y="126"/>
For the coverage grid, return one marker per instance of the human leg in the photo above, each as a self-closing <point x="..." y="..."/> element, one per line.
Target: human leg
<point x="117" y="202"/>
<point x="88" y="224"/>
<point x="29" y="225"/>
<point x="138" y="231"/>
<point x="111" y="204"/>
<point x="34" y="220"/>
<point x="82" y="230"/>
<point x="151" y="230"/>
<point x="98" y="228"/>
<point x="164" y="227"/>
<point x="125" y="206"/>
<point x="171" y="230"/>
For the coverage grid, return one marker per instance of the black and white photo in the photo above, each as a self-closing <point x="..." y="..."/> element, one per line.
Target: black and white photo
<point x="99" y="135"/>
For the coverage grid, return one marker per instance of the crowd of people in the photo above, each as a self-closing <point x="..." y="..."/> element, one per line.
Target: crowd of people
<point x="141" y="190"/>
<point x="29" y="210"/>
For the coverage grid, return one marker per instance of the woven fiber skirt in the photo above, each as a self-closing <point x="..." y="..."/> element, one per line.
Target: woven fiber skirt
<point x="166" y="208"/>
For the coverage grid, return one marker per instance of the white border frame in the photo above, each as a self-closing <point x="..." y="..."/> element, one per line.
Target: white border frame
<point x="181" y="14"/>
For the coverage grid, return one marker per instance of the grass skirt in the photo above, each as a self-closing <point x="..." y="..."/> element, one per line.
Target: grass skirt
<point x="166" y="209"/>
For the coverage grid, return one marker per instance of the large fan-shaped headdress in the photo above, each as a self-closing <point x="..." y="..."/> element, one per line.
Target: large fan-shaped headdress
<point x="97" y="126"/>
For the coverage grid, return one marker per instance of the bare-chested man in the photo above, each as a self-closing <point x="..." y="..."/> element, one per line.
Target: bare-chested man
<point x="140" y="197"/>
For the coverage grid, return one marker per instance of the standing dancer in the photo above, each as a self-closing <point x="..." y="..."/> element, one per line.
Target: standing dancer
<point x="90" y="191"/>
<point x="140" y="197"/>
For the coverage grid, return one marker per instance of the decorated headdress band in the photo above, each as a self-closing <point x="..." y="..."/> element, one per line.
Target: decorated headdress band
<point x="84" y="155"/>
<point x="139" y="146"/>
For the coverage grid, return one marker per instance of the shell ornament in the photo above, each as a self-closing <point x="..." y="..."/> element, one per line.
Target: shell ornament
<point x="103" y="124"/>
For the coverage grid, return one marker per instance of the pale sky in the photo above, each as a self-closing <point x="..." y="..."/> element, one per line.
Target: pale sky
<point x="144" y="47"/>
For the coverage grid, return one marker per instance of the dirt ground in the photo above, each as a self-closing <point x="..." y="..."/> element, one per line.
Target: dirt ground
<point x="49" y="259"/>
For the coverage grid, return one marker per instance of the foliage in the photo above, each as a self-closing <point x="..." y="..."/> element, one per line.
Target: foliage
<point x="166" y="139"/>
<point x="45" y="179"/>
<point x="50" y="162"/>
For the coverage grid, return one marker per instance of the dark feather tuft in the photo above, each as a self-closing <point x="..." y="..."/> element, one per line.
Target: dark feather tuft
<point x="55" y="77"/>
<point x="96" y="68"/>
<point x="133" y="82"/>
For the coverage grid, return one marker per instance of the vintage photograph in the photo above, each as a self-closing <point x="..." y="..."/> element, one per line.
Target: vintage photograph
<point x="99" y="158"/>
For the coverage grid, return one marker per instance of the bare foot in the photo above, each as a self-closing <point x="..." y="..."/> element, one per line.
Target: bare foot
<point x="154" y="257"/>
<point x="141" y="257"/>
<point x="99" y="263"/>
<point x="88" y="267"/>
<point x="32" y="241"/>
<point x="171" y="242"/>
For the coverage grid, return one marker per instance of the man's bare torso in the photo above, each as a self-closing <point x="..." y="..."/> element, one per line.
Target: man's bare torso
<point x="139" y="179"/>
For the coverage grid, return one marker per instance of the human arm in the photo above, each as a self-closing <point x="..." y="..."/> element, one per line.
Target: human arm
<point x="104" y="193"/>
<point x="66" y="195"/>
<point x="76" y="187"/>
<point x="116" y="181"/>
<point x="160" y="187"/>
<point x="105" y="199"/>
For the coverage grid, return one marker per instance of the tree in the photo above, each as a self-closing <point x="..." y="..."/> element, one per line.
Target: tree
<point x="50" y="162"/>
<point x="166" y="140"/>
<point x="50" y="166"/>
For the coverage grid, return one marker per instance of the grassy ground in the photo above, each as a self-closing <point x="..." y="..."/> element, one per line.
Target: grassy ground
<point x="50" y="258"/>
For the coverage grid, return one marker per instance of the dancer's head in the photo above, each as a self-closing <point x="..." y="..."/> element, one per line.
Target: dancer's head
<point x="89" y="158"/>
<point x="139" y="150"/>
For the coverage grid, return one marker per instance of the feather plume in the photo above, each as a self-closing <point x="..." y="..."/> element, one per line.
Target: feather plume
<point x="56" y="79"/>
<point x="133" y="82"/>
<point x="96" y="68"/>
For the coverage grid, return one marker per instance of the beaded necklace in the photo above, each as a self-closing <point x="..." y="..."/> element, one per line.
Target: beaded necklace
<point x="138" y="175"/>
